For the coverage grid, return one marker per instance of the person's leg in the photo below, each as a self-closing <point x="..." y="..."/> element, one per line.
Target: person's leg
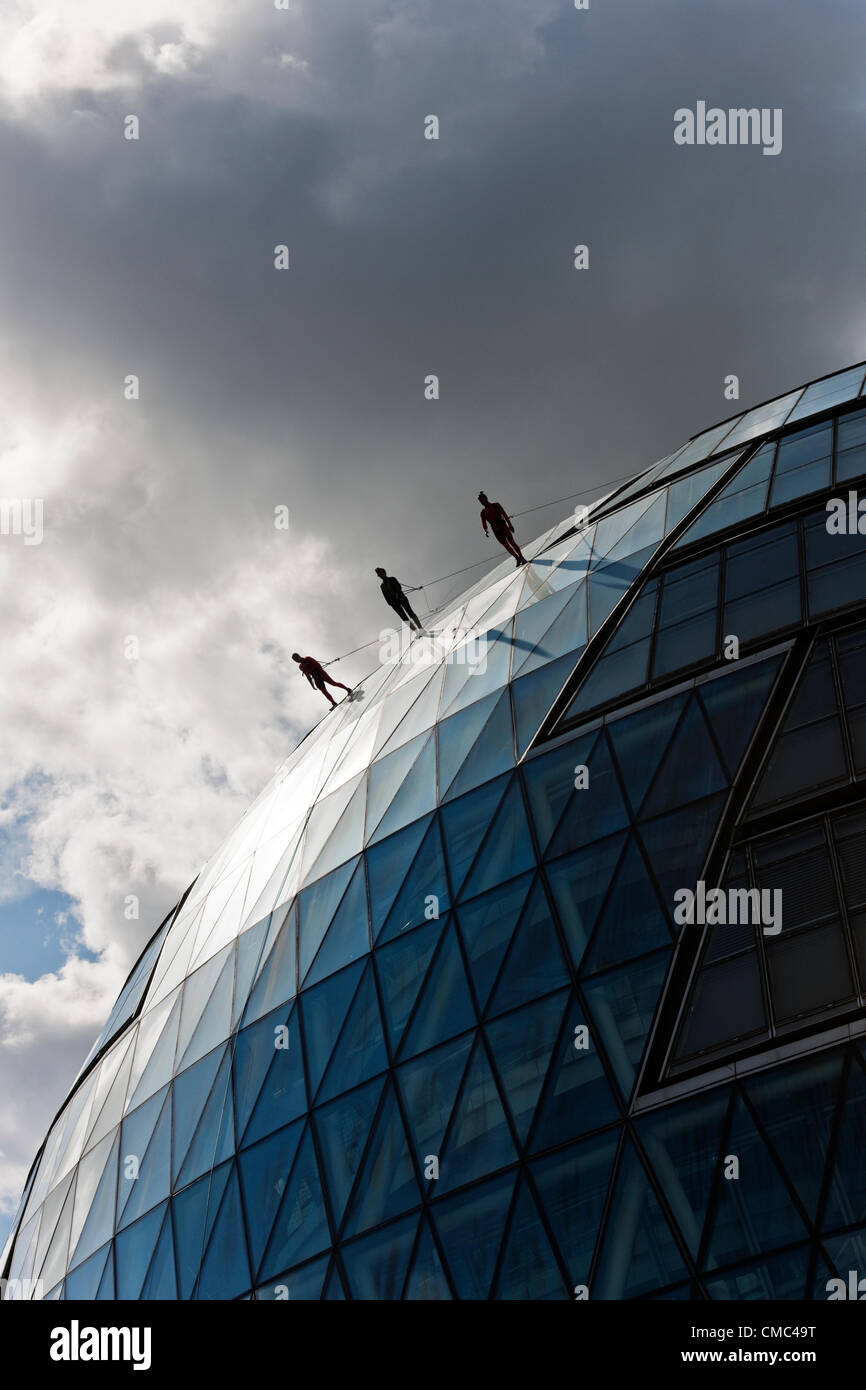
<point x="339" y="684"/>
<point x="406" y="613"/>
<point x="508" y="543"/>
<point x="413" y="617"/>
<point x="320" y="685"/>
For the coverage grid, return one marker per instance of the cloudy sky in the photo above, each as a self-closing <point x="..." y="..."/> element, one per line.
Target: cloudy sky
<point x="304" y="388"/>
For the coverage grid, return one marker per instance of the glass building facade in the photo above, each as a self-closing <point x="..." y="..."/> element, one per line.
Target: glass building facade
<point x="428" y="1025"/>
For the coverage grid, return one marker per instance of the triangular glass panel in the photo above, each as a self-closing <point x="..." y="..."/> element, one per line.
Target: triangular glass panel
<point x="348" y="936"/>
<point x="387" y="776"/>
<point x="387" y="866"/>
<point x="549" y="784"/>
<point x="464" y="823"/>
<point x="301" y="1227"/>
<point x="416" y="795"/>
<point x="487" y="925"/>
<point x="754" y="1211"/>
<point x="152" y="1165"/>
<point x="82" y="1283"/>
<point x="106" y="1291"/>
<point x="734" y="704"/>
<point x="317" y="905"/>
<point x="677" y="846"/>
<point x="639" y="742"/>
<point x="633" y="920"/>
<point x="492" y="753"/>
<point x="596" y="808"/>
<point x="401" y="967"/>
<point x="134" y="1250"/>
<point x="577" y="1097"/>
<point x="690" y="768"/>
<point x="522" y="1045"/>
<point x="251" y="945"/>
<point x="682" y="1143"/>
<point x="529" y="1268"/>
<point x="268" y="1067"/>
<point x="540" y="636"/>
<point x="427" y="1282"/>
<point x="191" y="1091"/>
<point x="214" y="1025"/>
<point x="572" y="1188"/>
<point x="347" y="837"/>
<point x="277" y="982"/>
<point x="534" y="965"/>
<point x="194" y="1212"/>
<point x="796" y="1106"/>
<point x="533" y="696"/>
<point x="445" y="1006"/>
<point x="324" y="1009"/>
<point x="426" y="879"/>
<point x="470" y="1227"/>
<point x="457" y="735"/>
<point x="579" y="885"/>
<point x="622" y="1004"/>
<point x="507" y="850"/>
<point x="376" y="1266"/>
<point x="639" y="1252"/>
<point x="429" y="1087"/>
<point x="160" y="1064"/>
<point x="846" y="1199"/>
<point x="225" y="1271"/>
<point x="161" y="1283"/>
<point x="479" y="1139"/>
<point x="264" y="1171"/>
<point x="342" y="1128"/>
<point x="360" y="1051"/>
<point x="99" y="1224"/>
<point x="214" y="1139"/>
<point x="387" y="1185"/>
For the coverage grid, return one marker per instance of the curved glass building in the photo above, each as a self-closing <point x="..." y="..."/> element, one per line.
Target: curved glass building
<point x="538" y="970"/>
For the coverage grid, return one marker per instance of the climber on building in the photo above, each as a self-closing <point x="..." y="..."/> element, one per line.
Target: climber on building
<point x="392" y="590"/>
<point x="318" y="676"/>
<point x="495" y="515"/>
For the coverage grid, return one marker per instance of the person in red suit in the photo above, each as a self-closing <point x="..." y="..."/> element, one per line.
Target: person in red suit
<point x="318" y="676"/>
<point x="494" y="515"/>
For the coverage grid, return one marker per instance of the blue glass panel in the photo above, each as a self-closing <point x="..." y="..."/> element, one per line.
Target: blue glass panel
<point x="487" y="925"/>
<point x="533" y="622"/>
<point x="577" y="1097"/>
<point x="470" y="1228"/>
<point x="549" y="782"/>
<point x="851" y="446"/>
<point x="755" y="1214"/>
<point x="360" y="1052"/>
<point x="426" y="877"/>
<point x="135" y="1136"/>
<point x="301" y="1227"/>
<point x="507" y="850"/>
<point x="269" y="1078"/>
<point x="387" y="1185"/>
<point x="445" y="1006"/>
<point x="249" y="958"/>
<point x="566" y="635"/>
<point x="682" y="1143"/>
<point x="264" y="1171"/>
<point x="528" y="1269"/>
<point x="214" y="1025"/>
<point x="579" y="885"/>
<point x="633" y="920"/>
<point x="387" y="775"/>
<point x="822" y="395"/>
<point x="278" y="980"/>
<point x="401" y="967"/>
<point x="622" y="1004"/>
<point x="614" y="674"/>
<point x="607" y="586"/>
<point x="153" y="1181"/>
<point x="161" y="1283"/>
<point x="214" y="1140"/>
<point x="464" y="823"/>
<point x="225" y="1272"/>
<point x="194" y="1211"/>
<point x="299" y="1285"/>
<point x="99" y="1225"/>
<point x="690" y="769"/>
<point x="638" y="1252"/>
<point x="689" y="590"/>
<point x="429" y="1087"/>
<point x="191" y="1090"/>
<point x="639" y="742"/>
<point x="534" y="694"/>
<point x="324" y="1010"/>
<point x="595" y="810"/>
<point x="802" y="463"/>
<point x="342" y="1129"/>
<point x="522" y="1045"/>
<point x="780" y="1277"/>
<point x="796" y="1106"/>
<point x="744" y="496"/>
<point x="316" y="907"/>
<point x="387" y="866"/>
<point x="492" y="754"/>
<point x="427" y="1280"/>
<point x="686" y="494"/>
<point x="534" y="965"/>
<point x="348" y="935"/>
<point x="479" y="1140"/>
<point x="457" y="735"/>
<point x="106" y="1290"/>
<point x="416" y="796"/>
<point x="677" y="845"/>
<point x="734" y="704"/>
<point x="133" y="1250"/>
<point x="83" y="1282"/>
<point x="376" y="1266"/>
<point x="841" y="578"/>
<point x="572" y="1186"/>
<point x="684" y="645"/>
<point x="846" y="1200"/>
